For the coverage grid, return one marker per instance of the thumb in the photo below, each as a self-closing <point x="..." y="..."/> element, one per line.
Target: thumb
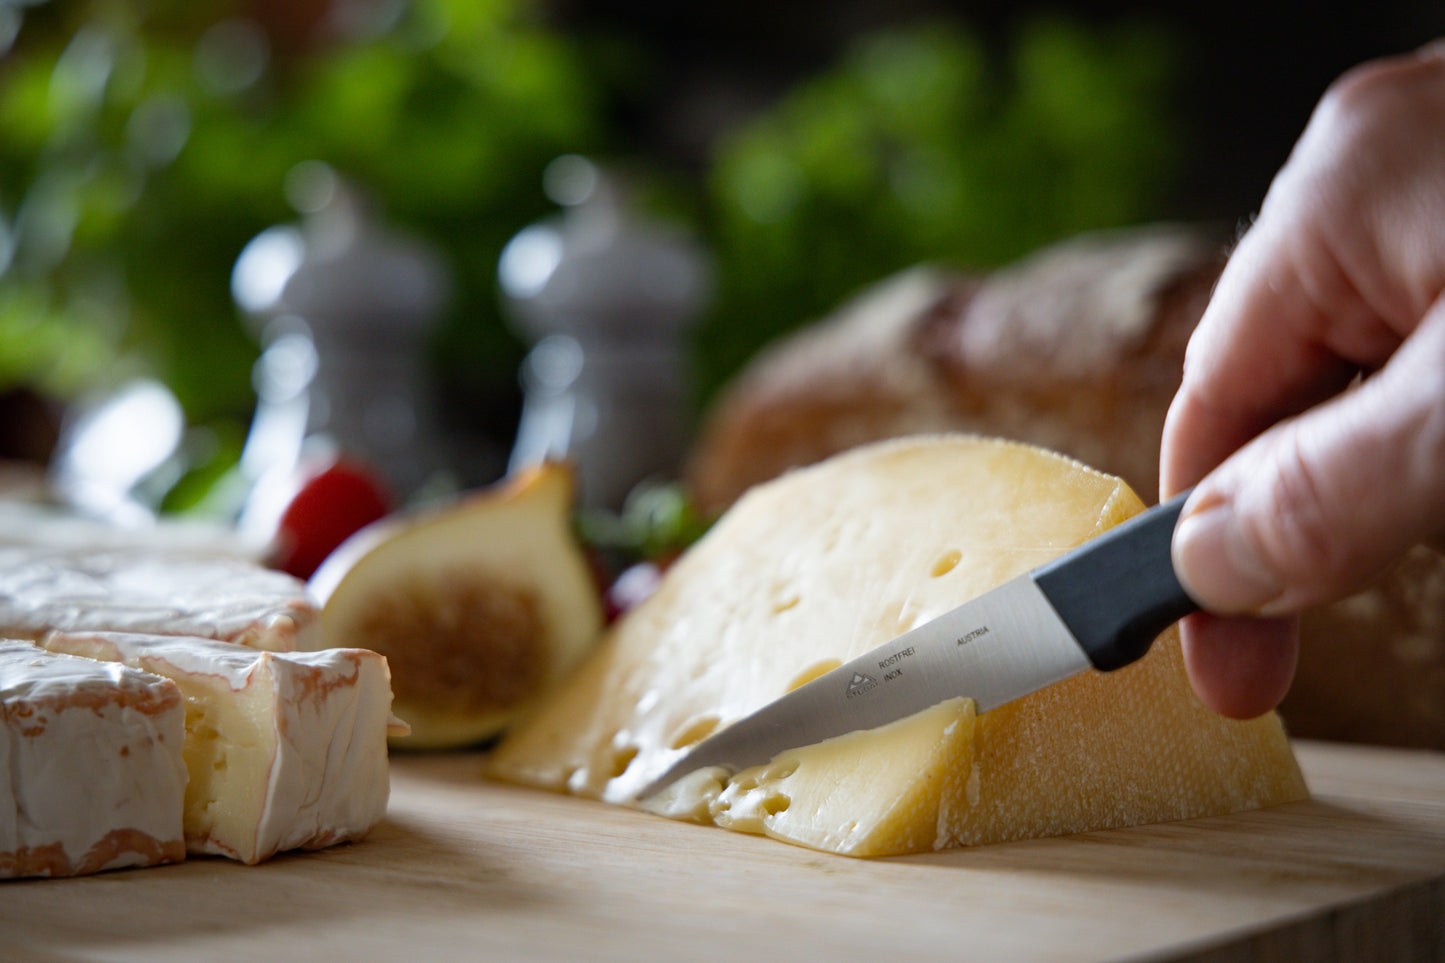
<point x="1313" y="508"/>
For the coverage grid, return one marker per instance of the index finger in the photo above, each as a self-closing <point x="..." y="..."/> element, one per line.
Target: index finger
<point x="1256" y="358"/>
<point x="1340" y="265"/>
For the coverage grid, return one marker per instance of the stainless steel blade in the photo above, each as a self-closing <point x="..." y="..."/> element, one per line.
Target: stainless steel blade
<point x="1004" y="644"/>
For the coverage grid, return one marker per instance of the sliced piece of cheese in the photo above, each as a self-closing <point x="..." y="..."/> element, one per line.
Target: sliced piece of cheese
<point x="121" y="590"/>
<point x="91" y="775"/>
<point x="828" y="562"/>
<point x="284" y="750"/>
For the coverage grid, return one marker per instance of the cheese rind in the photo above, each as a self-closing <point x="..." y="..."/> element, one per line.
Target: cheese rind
<point x="826" y="563"/>
<point x="284" y="750"/>
<point x="91" y="771"/>
<point x="229" y="599"/>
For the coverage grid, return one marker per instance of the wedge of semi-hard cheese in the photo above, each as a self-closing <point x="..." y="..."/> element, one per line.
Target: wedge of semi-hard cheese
<point x="828" y="562"/>
<point x="91" y="776"/>
<point x="132" y="590"/>
<point x="284" y="750"/>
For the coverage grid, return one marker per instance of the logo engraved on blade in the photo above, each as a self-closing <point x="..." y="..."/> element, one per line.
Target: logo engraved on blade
<point x="860" y="684"/>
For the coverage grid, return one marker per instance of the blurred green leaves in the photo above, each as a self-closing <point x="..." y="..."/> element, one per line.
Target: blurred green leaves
<point x="144" y="145"/>
<point x="925" y="144"/>
<point x="656" y="523"/>
<point x="40" y="347"/>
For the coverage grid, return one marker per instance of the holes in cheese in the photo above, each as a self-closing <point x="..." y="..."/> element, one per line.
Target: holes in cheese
<point x="782" y="770"/>
<point x="946" y="563"/>
<point x="622" y="757"/>
<point x="748" y="808"/>
<point x="812" y="672"/>
<point x="784" y="603"/>
<point x="865" y="541"/>
<point x="695" y="732"/>
<point x="784" y="596"/>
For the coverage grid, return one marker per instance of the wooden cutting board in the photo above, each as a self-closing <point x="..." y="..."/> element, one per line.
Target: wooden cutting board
<point x="468" y="870"/>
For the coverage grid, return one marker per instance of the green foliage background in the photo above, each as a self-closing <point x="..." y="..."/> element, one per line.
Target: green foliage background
<point x="923" y="145"/>
<point x="142" y="149"/>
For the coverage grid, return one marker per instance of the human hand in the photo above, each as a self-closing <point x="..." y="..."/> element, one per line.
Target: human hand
<point x="1310" y="480"/>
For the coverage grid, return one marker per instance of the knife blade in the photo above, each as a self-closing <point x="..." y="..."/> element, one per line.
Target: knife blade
<point x="1099" y="606"/>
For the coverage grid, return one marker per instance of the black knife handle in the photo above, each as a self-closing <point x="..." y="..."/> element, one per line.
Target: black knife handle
<point x="1118" y="591"/>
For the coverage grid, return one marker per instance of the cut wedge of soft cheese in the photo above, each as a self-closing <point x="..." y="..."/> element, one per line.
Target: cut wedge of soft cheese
<point x="224" y="598"/>
<point x="91" y="775"/>
<point x="828" y="562"/>
<point x="284" y="750"/>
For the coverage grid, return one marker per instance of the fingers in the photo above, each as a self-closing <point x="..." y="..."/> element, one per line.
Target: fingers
<point x="1240" y="668"/>
<point x="1256" y="355"/>
<point x="1304" y="489"/>
<point x="1317" y="505"/>
<point x="1342" y="264"/>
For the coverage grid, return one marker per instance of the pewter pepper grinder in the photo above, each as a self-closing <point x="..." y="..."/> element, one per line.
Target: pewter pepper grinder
<point x="606" y="298"/>
<point x="364" y="299"/>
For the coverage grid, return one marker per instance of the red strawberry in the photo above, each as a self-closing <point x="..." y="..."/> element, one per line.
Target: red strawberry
<point x="330" y="506"/>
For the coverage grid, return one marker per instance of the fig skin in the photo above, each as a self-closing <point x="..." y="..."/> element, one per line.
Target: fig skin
<point x="480" y="607"/>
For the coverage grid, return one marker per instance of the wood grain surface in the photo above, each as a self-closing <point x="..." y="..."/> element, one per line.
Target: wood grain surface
<point x="464" y="869"/>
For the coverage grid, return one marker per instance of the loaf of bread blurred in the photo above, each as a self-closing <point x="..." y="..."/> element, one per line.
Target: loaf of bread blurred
<point x="1078" y="348"/>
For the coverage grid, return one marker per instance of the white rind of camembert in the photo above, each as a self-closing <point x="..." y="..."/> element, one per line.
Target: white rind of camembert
<point x="119" y="590"/>
<point x="91" y="771"/>
<point x="284" y="750"/>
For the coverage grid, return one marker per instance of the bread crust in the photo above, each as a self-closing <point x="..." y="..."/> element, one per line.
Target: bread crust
<point x="1078" y="348"/>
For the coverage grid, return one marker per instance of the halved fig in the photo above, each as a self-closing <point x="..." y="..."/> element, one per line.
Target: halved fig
<point x="479" y="607"/>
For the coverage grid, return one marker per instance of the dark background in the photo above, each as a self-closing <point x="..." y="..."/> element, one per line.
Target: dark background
<point x="1250" y="71"/>
<point x="112" y="267"/>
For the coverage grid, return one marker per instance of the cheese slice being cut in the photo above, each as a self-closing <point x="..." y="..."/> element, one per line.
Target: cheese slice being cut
<point x="828" y="562"/>
<point x="91" y="774"/>
<point x="134" y="590"/>
<point x="284" y="750"/>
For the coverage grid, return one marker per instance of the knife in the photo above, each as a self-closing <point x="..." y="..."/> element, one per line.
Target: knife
<point x="1099" y="606"/>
